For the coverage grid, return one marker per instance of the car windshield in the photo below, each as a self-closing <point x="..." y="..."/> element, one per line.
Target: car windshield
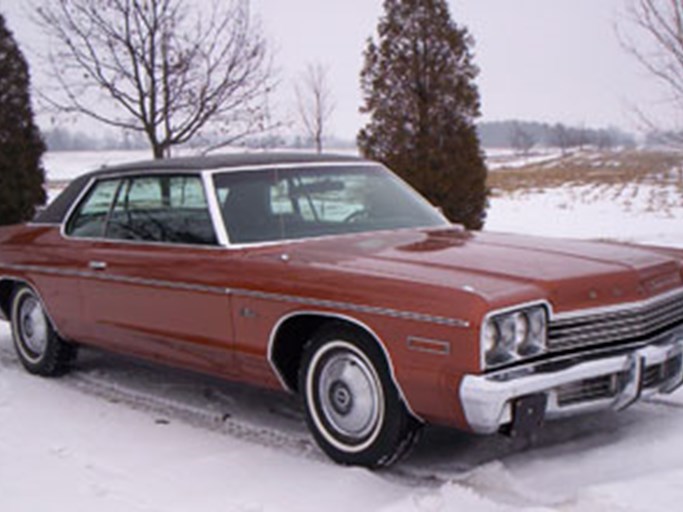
<point x="286" y="204"/>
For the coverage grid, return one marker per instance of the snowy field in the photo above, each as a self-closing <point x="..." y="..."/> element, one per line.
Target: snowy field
<point x="118" y="435"/>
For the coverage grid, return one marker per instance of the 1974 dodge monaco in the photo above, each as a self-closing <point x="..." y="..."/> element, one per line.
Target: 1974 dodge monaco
<point x="331" y="278"/>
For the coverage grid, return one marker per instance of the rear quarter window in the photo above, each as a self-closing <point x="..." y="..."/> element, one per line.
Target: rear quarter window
<point x="90" y="218"/>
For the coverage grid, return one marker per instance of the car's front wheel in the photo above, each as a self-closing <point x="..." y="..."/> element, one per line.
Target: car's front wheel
<point x="39" y="347"/>
<point x="353" y="407"/>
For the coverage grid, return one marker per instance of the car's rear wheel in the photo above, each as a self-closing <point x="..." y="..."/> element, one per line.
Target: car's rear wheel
<point x="353" y="407"/>
<point x="39" y="347"/>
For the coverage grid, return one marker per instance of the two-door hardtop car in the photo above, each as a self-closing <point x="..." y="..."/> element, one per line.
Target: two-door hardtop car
<point x="330" y="277"/>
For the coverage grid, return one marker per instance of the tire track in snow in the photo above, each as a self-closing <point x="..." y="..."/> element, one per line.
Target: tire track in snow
<point x="490" y="480"/>
<point x="204" y="418"/>
<point x="102" y="386"/>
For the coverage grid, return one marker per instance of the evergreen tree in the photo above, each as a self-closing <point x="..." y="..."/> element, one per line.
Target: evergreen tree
<point x="418" y="85"/>
<point x="21" y="146"/>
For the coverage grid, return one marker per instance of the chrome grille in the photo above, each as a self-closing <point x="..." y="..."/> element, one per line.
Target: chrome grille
<point x="658" y="374"/>
<point x="598" y="388"/>
<point x="631" y="323"/>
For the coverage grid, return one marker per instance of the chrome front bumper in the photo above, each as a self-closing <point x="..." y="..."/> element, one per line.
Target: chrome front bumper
<point x="578" y="385"/>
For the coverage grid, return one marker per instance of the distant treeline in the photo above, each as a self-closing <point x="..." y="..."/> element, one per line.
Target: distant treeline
<point x="525" y="135"/>
<point x="63" y="139"/>
<point x="522" y="136"/>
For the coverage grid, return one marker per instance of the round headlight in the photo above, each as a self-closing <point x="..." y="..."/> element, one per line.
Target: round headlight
<point x="490" y="337"/>
<point x="537" y="326"/>
<point x="521" y="328"/>
<point x="507" y="329"/>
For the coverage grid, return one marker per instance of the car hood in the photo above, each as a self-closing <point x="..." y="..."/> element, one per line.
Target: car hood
<point x="502" y="268"/>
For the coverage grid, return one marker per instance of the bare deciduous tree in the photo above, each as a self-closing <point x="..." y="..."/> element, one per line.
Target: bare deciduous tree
<point x="315" y="103"/>
<point x="163" y="68"/>
<point x="521" y="140"/>
<point x="653" y="34"/>
<point x="560" y="136"/>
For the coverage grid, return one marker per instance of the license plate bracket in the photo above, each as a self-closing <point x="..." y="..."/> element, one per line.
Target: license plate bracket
<point x="528" y="414"/>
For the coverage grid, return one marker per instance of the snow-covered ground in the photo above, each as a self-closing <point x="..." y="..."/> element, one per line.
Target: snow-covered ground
<point x="640" y="212"/>
<point x="119" y="435"/>
<point x="509" y="159"/>
<point x="67" y="165"/>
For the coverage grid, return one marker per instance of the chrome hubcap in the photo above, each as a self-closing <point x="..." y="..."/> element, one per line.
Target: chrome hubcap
<point x="34" y="331"/>
<point x="349" y="395"/>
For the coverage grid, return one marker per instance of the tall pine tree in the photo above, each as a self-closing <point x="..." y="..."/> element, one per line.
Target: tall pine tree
<point x="418" y="85"/>
<point x="21" y="146"/>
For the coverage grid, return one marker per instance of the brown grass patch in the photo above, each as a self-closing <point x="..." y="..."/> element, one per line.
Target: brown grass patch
<point x="600" y="170"/>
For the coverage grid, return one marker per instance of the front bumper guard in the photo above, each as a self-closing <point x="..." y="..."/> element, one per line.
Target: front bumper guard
<point x="488" y="400"/>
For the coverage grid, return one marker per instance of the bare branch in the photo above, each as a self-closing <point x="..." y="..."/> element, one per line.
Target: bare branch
<point x="653" y="35"/>
<point x="315" y="104"/>
<point x="160" y="67"/>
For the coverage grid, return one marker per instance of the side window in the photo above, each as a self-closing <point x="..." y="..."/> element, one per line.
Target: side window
<point x="170" y="209"/>
<point x="284" y="201"/>
<point x="187" y="192"/>
<point x="320" y="198"/>
<point x="280" y="202"/>
<point x="91" y="215"/>
<point x="143" y="193"/>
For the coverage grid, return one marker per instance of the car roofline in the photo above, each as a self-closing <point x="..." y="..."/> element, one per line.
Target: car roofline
<point x="56" y="212"/>
<point x="225" y="162"/>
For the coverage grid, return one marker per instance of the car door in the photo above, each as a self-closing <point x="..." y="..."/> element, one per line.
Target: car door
<point x="155" y="282"/>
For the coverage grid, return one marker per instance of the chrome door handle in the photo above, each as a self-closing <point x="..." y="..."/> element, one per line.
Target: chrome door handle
<point x="97" y="265"/>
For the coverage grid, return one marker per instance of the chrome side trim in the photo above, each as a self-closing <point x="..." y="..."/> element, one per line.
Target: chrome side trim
<point x="33" y="224"/>
<point x="157" y="283"/>
<point x="435" y="347"/>
<point x="357" y="308"/>
<point x="292" y="299"/>
<point x="142" y="243"/>
<point x="341" y="236"/>
<point x="358" y="323"/>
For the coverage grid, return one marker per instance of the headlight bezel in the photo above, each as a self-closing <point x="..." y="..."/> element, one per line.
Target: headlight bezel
<point x="521" y="330"/>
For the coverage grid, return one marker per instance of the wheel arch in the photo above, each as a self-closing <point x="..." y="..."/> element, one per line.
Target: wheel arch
<point x="7" y="287"/>
<point x="290" y="334"/>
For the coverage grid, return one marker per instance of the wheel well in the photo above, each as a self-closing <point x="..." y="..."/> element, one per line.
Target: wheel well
<point x="290" y="339"/>
<point x="6" y="288"/>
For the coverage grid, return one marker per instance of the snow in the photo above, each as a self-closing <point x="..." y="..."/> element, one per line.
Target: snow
<point x="643" y="213"/>
<point x="497" y="159"/>
<point x="120" y="435"/>
<point x="67" y="165"/>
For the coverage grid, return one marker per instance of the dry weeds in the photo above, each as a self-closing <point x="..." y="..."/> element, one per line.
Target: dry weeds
<point x="601" y="176"/>
<point x="591" y="168"/>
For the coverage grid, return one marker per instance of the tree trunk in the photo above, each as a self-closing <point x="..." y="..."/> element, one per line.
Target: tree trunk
<point x="158" y="150"/>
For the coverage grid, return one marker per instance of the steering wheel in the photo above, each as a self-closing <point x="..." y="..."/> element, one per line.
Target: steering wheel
<point x="357" y="215"/>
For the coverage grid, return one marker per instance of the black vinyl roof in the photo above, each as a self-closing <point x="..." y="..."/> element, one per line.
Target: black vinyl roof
<point x="225" y="161"/>
<point x="56" y="212"/>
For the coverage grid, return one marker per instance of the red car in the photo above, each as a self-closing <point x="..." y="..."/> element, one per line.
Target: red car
<point x="330" y="277"/>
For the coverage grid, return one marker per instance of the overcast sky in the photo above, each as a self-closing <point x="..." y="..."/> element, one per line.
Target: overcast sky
<point x="546" y="60"/>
